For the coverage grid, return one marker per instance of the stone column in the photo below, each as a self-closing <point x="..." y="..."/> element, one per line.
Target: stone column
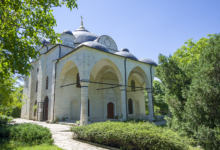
<point x="52" y="96"/>
<point x="41" y="86"/>
<point x="150" y="105"/>
<point x="123" y="102"/>
<point x="29" y="95"/>
<point x="84" y="103"/>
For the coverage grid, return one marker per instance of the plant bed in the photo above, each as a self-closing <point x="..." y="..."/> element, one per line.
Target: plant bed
<point x="135" y="136"/>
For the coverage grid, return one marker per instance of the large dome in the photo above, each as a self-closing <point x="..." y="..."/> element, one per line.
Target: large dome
<point x="95" y="45"/>
<point x="82" y="35"/>
<point x="125" y="52"/>
<point x="67" y="32"/>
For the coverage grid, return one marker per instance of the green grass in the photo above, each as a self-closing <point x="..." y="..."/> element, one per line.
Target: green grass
<point x="11" y="145"/>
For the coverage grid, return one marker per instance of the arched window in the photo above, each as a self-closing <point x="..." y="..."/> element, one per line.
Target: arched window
<point x="47" y="83"/>
<point x="132" y="85"/>
<point x="37" y="69"/>
<point x="88" y="109"/>
<point x="35" y="110"/>
<point x="36" y="85"/>
<point x="130" y="106"/>
<point x="78" y="81"/>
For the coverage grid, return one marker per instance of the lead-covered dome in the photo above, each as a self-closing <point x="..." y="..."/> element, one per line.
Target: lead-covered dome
<point x="67" y="32"/>
<point x="95" y="45"/>
<point x="125" y="52"/>
<point x="148" y="61"/>
<point x="82" y="35"/>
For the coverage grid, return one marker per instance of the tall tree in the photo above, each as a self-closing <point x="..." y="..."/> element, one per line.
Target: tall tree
<point x="10" y="95"/>
<point x="22" y="25"/>
<point x="192" y="90"/>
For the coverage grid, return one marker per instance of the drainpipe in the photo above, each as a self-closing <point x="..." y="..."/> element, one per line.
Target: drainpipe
<point x="47" y="47"/>
<point x="125" y="88"/>
<point x="56" y="80"/>
<point x="152" y="87"/>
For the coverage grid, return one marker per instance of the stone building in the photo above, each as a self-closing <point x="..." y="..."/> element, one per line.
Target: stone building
<point x="86" y="77"/>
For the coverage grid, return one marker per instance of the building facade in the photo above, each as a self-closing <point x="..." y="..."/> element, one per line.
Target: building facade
<point x="86" y="77"/>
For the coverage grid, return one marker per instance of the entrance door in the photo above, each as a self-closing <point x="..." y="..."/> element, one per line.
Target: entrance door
<point x="46" y="108"/>
<point x="110" y="110"/>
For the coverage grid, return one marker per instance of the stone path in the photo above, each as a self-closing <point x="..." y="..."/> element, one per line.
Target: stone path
<point x="63" y="137"/>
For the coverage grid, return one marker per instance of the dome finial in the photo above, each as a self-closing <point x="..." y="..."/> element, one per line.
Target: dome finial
<point x="81" y="22"/>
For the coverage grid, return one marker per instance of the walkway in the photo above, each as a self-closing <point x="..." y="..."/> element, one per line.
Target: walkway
<point x="63" y="137"/>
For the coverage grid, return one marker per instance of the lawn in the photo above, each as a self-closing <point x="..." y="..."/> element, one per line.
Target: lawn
<point x="11" y="145"/>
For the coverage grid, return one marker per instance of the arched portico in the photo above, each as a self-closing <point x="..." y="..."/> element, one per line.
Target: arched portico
<point x="106" y="88"/>
<point x="68" y="94"/>
<point x="138" y="77"/>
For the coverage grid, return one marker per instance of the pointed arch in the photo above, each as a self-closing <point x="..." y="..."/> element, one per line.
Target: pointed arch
<point x="103" y="65"/>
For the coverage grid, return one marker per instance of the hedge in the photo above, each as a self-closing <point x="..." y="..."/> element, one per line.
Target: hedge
<point x="30" y="134"/>
<point x="135" y="136"/>
<point x="27" y="133"/>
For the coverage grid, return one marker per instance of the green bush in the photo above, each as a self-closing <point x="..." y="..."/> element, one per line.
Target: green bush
<point x="16" y="112"/>
<point x="30" y="134"/>
<point x="132" y="136"/>
<point x="4" y="120"/>
<point x="136" y="120"/>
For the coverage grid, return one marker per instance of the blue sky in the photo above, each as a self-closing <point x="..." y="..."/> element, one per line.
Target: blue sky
<point x="146" y="28"/>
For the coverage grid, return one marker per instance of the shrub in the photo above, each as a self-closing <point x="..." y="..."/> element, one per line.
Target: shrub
<point x="30" y="134"/>
<point x="4" y="120"/>
<point x="136" y="120"/>
<point x="16" y="112"/>
<point x="132" y="136"/>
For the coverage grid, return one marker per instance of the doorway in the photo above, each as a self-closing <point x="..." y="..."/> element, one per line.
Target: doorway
<point x="110" y="110"/>
<point x="46" y="100"/>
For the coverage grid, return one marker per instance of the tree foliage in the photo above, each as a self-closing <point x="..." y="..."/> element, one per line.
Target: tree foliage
<point x="192" y="90"/>
<point x="158" y="96"/>
<point x="10" y="95"/>
<point x="22" y="25"/>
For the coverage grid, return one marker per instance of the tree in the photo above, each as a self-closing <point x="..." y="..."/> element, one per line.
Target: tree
<point x="22" y="25"/>
<point x="10" y="95"/>
<point x="192" y="90"/>
<point x="158" y="97"/>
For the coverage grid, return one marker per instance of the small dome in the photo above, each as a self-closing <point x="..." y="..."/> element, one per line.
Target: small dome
<point x="148" y="61"/>
<point x="44" y="41"/>
<point x="125" y="52"/>
<point x="95" y="45"/>
<point x="67" y="32"/>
